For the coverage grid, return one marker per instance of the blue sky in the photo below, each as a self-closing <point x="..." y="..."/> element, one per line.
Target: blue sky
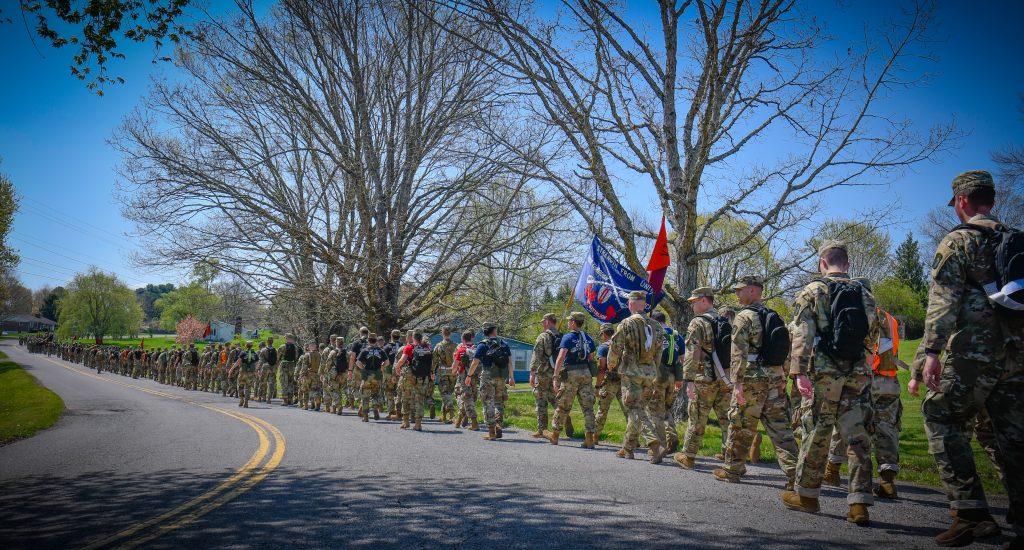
<point x="54" y="132"/>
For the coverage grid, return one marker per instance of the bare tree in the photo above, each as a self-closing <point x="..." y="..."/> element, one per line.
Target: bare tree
<point x="680" y="117"/>
<point x="335" y="156"/>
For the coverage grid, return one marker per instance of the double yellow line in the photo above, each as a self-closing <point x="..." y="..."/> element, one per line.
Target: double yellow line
<point x="259" y="466"/>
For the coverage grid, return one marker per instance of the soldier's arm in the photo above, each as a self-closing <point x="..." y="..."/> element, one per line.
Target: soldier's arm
<point x="740" y="344"/>
<point x="949" y="277"/>
<point x="804" y="330"/>
<point x="874" y="323"/>
<point x="692" y="357"/>
<point x="539" y="352"/>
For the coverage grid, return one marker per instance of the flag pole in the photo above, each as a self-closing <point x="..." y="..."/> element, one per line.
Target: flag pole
<point x="568" y="304"/>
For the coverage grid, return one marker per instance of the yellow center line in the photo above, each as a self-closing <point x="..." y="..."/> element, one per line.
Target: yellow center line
<point x="197" y="507"/>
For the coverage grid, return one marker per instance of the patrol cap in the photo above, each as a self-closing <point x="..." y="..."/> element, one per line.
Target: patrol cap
<point x="578" y="316"/>
<point x="970" y="180"/>
<point x="290" y="335"/>
<point x="638" y="295"/>
<point x="748" y="280"/>
<point x="489" y="325"/>
<point x="396" y="333"/>
<point x="702" y="292"/>
<point x="829" y="244"/>
<point x="607" y="327"/>
<point x="372" y="336"/>
<point x="550" y="317"/>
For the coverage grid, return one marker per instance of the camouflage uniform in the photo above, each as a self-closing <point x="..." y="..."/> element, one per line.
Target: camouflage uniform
<point x="609" y="388"/>
<point x="267" y="372"/>
<point x="307" y="376"/>
<point x="444" y="356"/>
<point x="286" y="372"/>
<point x="764" y="390"/>
<point x="493" y="393"/>
<point x="578" y="383"/>
<point x="246" y="371"/>
<point x="841" y="393"/>
<point x="323" y="374"/>
<point x="982" y="372"/>
<point x="467" y="393"/>
<point x="336" y="374"/>
<point x="634" y="351"/>
<point x="390" y="385"/>
<point x="542" y="368"/>
<point x="712" y="393"/>
<point x="886" y="408"/>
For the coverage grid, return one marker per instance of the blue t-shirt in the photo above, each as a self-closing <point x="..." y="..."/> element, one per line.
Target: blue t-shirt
<point x="602" y="351"/>
<point x="483" y="354"/>
<point x="580" y="346"/>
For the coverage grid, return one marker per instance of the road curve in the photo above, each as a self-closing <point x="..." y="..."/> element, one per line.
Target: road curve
<point x="122" y="456"/>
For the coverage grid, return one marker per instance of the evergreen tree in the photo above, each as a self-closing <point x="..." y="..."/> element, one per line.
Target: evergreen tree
<point x="907" y="266"/>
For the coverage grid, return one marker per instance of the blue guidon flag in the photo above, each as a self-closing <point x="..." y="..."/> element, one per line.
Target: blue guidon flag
<point x="604" y="286"/>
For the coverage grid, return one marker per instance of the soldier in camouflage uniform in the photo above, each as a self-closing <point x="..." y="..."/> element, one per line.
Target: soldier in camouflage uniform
<point x="608" y="383"/>
<point x="245" y="365"/>
<point x="267" y="371"/>
<point x="412" y="385"/>
<point x="390" y="383"/>
<point x="573" y="379"/>
<point x="371" y="359"/>
<point x="493" y="393"/>
<point x="444" y="357"/>
<point x="354" y="372"/>
<point x="307" y="368"/>
<point x="705" y="387"/>
<point x="840" y="392"/>
<point x="337" y="377"/>
<point x="634" y="351"/>
<point x="287" y="355"/>
<point x="541" y="371"/>
<point x="466" y="384"/>
<point x="667" y="383"/>
<point x="886" y="412"/>
<point x="982" y="369"/>
<point x="323" y="376"/>
<point x="758" y="393"/>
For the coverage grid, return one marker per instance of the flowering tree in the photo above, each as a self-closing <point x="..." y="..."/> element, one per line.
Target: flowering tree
<point x="189" y="330"/>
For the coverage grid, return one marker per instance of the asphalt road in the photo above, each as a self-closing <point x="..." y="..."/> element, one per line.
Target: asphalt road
<point x="129" y="467"/>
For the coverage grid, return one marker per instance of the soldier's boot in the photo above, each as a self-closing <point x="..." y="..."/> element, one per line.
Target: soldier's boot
<point x="967" y="526"/>
<point x="432" y="409"/>
<point x="589" y="440"/>
<point x="683" y="461"/>
<point x="444" y="416"/>
<point x="720" y="456"/>
<point x="419" y="424"/>
<point x="351" y="403"/>
<point x="497" y="430"/>
<point x="459" y="420"/>
<point x="887" y="487"/>
<point x="755" y="449"/>
<point x="553" y="437"/>
<point x="363" y="413"/>
<point x="721" y="474"/>
<point x="858" y="514"/>
<point x="474" y="425"/>
<point x="624" y="453"/>
<point x="491" y="436"/>
<point x="405" y="422"/>
<point x="673" y="446"/>
<point x="794" y="501"/>
<point x="831" y="476"/>
<point x="654" y="452"/>
<point x="376" y="413"/>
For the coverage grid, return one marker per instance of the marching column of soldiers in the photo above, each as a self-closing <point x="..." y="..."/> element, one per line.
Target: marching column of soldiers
<point x="838" y="354"/>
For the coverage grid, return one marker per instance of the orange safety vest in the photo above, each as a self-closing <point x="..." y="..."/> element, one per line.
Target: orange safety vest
<point x="894" y="334"/>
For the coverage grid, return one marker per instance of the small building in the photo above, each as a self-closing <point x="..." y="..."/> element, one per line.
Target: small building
<point x="27" y="323"/>
<point x="221" y="332"/>
<point x="522" y="354"/>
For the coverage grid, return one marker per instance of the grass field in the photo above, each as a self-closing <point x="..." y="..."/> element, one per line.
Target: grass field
<point x="917" y="465"/>
<point x="25" y="406"/>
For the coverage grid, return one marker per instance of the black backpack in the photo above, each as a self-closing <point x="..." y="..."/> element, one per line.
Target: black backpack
<point x="1006" y="292"/>
<point x="291" y="352"/>
<point x="722" y="335"/>
<point x="848" y="323"/>
<point x="272" y="355"/>
<point x="422" y="361"/>
<point x="340" y="362"/>
<point x="499" y="353"/>
<point x="775" y="340"/>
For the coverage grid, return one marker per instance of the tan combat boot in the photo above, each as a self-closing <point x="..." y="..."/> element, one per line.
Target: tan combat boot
<point x="858" y="514"/>
<point x="419" y="424"/>
<point x="376" y="413"/>
<point x="589" y="440"/>
<point x="405" y="422"/>
<point x="755" y="449"/>
<point x="831" y="476"/>
<point x="625" y="453"/>
<point x="654" y="452"/>
<point x="490" y="434"/>
<point x="794" y="501"/>
<point x="459" y="419"/>
<point x="497" y="430"/>
<point x="553" y="437"/>
<point x="539" y="433"/>
<point x="721" y="474"/>
<point x="474" y="425"/>
<point x="683" y="461"/>
<point x="886" y="488"/>
<point x="967" y="526"/>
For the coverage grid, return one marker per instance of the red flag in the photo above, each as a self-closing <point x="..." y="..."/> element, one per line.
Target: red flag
<point x="658" y="265"/>
<point x="208" y="331"/>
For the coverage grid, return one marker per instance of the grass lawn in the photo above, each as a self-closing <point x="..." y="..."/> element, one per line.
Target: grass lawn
<point x="25" y="406"/>
<point x="916" y="464"/>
